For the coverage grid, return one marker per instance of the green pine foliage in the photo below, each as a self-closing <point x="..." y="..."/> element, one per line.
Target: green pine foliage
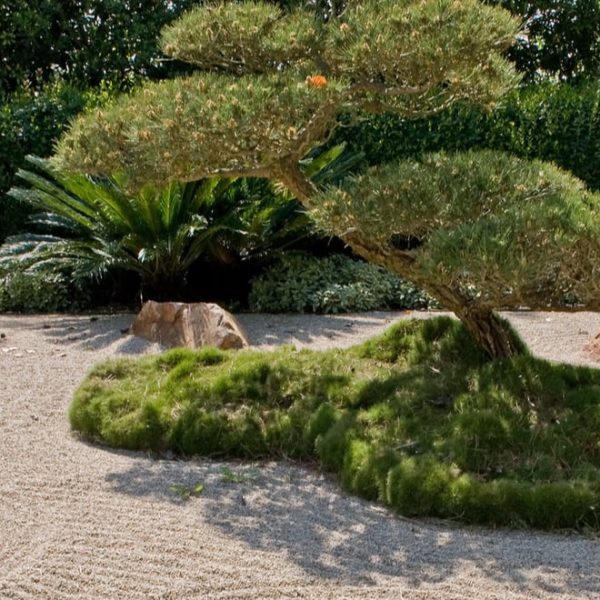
<point x="186" y="129"/>
<point x="417" y="419"/>
<point x="494" y="230"/>
<point x="245" y="37"/>
<point x="274" y="82"/>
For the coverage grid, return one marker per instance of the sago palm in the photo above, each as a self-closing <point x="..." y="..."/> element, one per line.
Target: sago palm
<point x="91" y="225"/>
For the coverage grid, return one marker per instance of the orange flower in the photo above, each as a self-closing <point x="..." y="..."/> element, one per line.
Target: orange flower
<point x="318" y="81"/>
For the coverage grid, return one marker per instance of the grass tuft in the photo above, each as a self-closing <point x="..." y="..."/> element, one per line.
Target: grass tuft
<point x="417" y="419"/>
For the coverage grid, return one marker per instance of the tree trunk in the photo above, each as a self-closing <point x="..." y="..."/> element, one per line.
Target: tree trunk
<point x="492" y="334"/>
<point x="293" y="178"/>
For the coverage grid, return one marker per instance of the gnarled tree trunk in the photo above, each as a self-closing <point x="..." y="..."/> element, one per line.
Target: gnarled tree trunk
<point x="491" y="333"/>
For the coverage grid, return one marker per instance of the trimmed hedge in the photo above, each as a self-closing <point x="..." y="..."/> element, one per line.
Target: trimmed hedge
<point x="552" y="122"/>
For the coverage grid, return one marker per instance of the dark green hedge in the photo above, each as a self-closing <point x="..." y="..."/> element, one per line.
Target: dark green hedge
<point x="554" y="122"/>
<point x="30" y="123"/>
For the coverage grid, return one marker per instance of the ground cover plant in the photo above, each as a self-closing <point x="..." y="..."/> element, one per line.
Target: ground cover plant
<point x="418" y="419"/>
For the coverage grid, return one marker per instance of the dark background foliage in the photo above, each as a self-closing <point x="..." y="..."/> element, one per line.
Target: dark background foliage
<point x="84" y="42"/>
<point x="30" y="123"/>
<point x="561" y="39"/>
<point x="554" y="122"/>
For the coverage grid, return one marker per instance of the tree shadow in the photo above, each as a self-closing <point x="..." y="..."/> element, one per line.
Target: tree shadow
<point x="91" y="333"/>
<point x="303" y="330"/>
<point x="264" y="331"/>
<point x="330" y="535"/>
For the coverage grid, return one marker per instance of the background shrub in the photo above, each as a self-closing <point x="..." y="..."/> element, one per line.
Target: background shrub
<point x="557" y="123"/>
<point x="334" y="284"/>
<point x="30" y="123"/>
<point x="40" y="293"/>
<point x="562" y="38"/>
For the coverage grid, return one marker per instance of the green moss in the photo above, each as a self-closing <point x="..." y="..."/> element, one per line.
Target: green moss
<point x="416" y="418"/>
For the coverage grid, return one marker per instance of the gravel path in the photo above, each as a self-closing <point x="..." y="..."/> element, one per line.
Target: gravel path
<point x="79" y="521"/>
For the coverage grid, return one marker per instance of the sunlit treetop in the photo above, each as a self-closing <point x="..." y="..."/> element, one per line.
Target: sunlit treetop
<point x="271" y="84"/>
<point x="497" y="230"/>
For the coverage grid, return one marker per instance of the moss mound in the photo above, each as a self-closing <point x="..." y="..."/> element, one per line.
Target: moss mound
<point x="416" y="419"/>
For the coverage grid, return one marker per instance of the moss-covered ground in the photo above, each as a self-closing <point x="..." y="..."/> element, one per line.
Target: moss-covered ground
<point x="417" y="419"/>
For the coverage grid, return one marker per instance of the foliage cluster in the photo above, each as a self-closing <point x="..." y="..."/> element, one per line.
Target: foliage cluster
<point x="83" y="42"/>
<point x="167" y="129"/>
<point x="31" y="123"/>
<point x="410" y="58"/>
<point x="94" y="226"/>
<point x="418" y="419"/>
<point x="333" y="284"/>
<point x="24" y="292"/>
<point x="557" y="123"/>
<point x="462" y="223"/>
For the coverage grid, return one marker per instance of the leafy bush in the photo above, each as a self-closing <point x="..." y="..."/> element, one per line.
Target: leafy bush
<point x="40" y="293"/>
<point x="302" y="283"/>
<point x="418" y="419"/>
<point x="552" y="122"/>
<point x="94" y="225"/>
<point x="562" y="38"/>
<point x="84" y="42"/>
<point x="31" y="124"/>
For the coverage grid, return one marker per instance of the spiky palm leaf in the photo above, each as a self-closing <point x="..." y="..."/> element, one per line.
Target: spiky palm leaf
<point x="92" y="225"/>
<point x="96" y="226"/>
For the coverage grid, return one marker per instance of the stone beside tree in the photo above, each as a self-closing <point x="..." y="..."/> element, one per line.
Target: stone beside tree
<point x="270" y="88"/>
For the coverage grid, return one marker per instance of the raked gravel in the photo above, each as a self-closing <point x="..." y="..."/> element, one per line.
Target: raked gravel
<point x="81" y="521"/>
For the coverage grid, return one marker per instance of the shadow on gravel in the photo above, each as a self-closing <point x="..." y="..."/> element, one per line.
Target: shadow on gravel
<point x="283" y="508"/>
<point x="270" y="330"/>
<point x="93" y="333"/>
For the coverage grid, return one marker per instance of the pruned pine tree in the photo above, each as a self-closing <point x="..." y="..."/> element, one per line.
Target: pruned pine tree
<point x="271" y="84"/>
<point x="478" y="232"/>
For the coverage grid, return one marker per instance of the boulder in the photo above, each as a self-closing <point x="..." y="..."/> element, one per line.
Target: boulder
<point x="191" y="325"/>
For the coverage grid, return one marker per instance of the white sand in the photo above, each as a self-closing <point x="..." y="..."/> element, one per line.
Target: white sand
<point x="79" y="521"/>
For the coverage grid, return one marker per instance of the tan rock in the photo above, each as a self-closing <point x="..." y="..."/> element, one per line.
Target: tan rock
<point x="192" y="325"/>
